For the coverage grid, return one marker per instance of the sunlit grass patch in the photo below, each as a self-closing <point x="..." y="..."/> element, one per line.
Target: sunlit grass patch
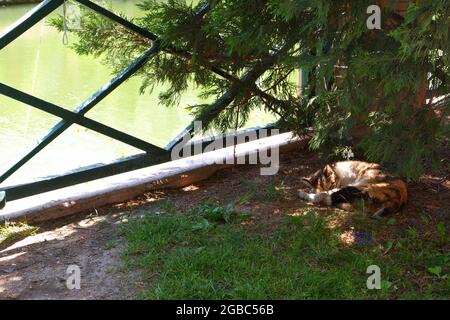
<point x="210" y="253"/>
<point x="10" y="231"/>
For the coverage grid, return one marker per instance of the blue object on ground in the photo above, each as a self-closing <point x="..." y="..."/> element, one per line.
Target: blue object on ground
<point x="362" y="237"/>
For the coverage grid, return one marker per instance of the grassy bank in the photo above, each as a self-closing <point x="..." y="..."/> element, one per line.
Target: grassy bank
<point x="11" y="231"/>
<point x="213" y="251"/>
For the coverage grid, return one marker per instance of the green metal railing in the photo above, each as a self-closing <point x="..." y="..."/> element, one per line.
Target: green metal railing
<point x="151" y="154"/>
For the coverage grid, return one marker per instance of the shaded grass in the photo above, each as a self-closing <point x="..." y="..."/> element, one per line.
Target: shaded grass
<point x="273" y="191"/>
<point x="285" y="258"/>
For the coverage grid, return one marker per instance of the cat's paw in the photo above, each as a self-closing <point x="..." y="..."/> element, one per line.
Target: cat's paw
<point x="303" y="195"/>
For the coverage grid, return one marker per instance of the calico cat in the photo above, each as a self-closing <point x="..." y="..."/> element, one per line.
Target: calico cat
<point x="341" y="184"/>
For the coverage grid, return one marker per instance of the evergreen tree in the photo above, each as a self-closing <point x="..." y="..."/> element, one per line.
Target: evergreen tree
<point x="368" y="91"/>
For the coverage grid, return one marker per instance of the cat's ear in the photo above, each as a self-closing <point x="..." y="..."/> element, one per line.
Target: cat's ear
<point x="311" y="181"/>
<point x="307" y="181"/>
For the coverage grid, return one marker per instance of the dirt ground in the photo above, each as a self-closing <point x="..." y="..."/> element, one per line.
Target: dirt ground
<point x="35" y="267"/>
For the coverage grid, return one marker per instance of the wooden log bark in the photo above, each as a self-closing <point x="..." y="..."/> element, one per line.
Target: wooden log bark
<point x="126" y="186"/>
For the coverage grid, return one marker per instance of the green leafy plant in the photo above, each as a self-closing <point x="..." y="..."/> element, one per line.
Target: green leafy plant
<point x="245" y="198"/>
<point x="437" y="272"/>
<point x="213" y="212"/>
<point x="275" y="191"/>
<point x="385" y="284"/>
<point x="392" y="221"/>
<point x="203" y="225"/>
<point x="442" y="231"/>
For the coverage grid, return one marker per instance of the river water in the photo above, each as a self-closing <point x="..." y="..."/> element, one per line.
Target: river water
<point x="38" y="63"/>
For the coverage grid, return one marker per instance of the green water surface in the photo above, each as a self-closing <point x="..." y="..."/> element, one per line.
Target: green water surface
<point x="38" y="63"/>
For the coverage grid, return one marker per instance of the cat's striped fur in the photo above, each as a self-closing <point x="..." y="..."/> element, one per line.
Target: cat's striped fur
<point x="343" y="183"/>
